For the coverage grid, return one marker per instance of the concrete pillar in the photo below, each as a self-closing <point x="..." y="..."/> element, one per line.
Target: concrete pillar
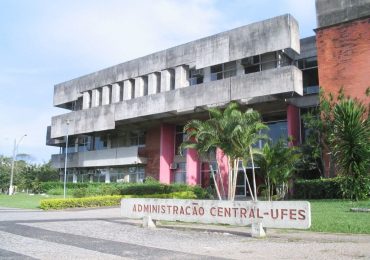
<point x="74" y="180"/>
<point x="107" y="177"/>
<point x="106" y="95"/>
<point x="116" y="92"/>
<point x="181" y="76"/>
<point x="167" y="152"/>
<point x="192" y="167"/>
<point x="91" y="178"/>
<point x="293" y="124"/>
<point x="154" y="80"/>
<point x="224" y="172"/>
<point x="86" y="100"/>
<point x="166" y="80"/>
<point x="127" y="89"/>
<point x="207" y="74"/>
<point x="95" y="97"/>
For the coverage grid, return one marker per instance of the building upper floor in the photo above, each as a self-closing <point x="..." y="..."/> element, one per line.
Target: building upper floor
<point x="247" y="64"/>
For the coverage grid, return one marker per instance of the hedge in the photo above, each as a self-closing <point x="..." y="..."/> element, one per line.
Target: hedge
<point x="100" y="201"/>
<point x="87" y="202"/>
<point x="318" y="189"/>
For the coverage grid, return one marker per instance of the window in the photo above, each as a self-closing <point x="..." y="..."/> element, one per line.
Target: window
<point x="172" y="79"/>
<point x="195" y="76"/>
<point x="145" y="82"/>
<point x="310" y="75"/>
<point x="179" y="138"/>
<point x="158" y="76"/>
<point x="100" y="96"/>
<point x="180" y="173"/>
<point x="223" y="71"/>
<point x="100" y="142"/>
<point x="132" y="81"/>
<point x="84" y="143"/>
<point x="266" y="61"/>
<point x="137" y="138"/>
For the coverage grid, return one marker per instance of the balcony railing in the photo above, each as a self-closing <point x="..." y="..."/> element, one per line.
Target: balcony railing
<point x="100" y="158"/>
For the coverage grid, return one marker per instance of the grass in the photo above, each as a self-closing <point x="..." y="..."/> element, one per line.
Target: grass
<point x="334" y="216"/>
<point x="23" y="200"/>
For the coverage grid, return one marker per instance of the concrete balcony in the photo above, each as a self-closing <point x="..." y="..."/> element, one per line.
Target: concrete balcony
<point x="100" y="158"/>
<point x="247" y="88"/>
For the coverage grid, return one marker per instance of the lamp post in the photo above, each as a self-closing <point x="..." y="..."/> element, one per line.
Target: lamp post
<point x="65" y="162"/>
<point x="15" y="148"/>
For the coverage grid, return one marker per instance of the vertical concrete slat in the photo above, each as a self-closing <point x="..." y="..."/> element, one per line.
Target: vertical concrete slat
<point x="167" y="153"/>
<point x="106" y="95"/>
<point x="95" y="98"/>
<point x="293" y="124"/>
<point x="165" y="80"/>
<point x="86" y="100"/>
<point x="139" y="87"/>
<point x="127" y="90"/>
<point x="192" y="167"/>
<point x="152" y="83"/>
<point x="116" y="92"/>
<point x="181" y="76"/>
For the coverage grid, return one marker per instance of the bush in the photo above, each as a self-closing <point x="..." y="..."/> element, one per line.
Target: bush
<point x="101" y="201"/>
<point x="318" y="189"/>
<point x="80" y="202"/>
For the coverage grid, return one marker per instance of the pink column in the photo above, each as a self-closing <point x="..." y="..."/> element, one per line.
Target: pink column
<point x="167" y="146"/>
<point x="224" y="172"/>
<point x="293" y="124"/>
<point x="192" y="167"/>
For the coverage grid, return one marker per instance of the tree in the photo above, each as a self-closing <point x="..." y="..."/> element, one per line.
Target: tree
<point x="277" y="164"/>
<point x="231" y="131"/>
<point x="347" y="127"/>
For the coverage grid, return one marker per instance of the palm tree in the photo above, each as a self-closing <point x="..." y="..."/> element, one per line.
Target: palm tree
<point x="231" y="131"/>
<point x="277" y="163"/>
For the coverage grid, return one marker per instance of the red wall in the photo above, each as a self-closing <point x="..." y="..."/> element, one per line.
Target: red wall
<point x="343" y="53"/>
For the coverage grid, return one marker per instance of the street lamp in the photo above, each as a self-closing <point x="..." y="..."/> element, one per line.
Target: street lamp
<point x="65" y="162"/>
<point x="15" y="148"/>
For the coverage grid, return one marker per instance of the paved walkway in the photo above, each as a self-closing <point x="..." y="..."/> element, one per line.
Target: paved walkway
<point x="103" y="234"/>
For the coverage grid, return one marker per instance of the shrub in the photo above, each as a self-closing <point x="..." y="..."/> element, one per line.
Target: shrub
<point x="80" y="202"/>
<point x="318" y="189"/>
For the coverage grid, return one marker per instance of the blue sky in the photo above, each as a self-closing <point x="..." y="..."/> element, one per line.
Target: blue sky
<point x="44" y="42"/>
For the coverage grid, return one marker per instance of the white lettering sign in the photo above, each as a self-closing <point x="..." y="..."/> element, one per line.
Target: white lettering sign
<point x="273" y="214"/>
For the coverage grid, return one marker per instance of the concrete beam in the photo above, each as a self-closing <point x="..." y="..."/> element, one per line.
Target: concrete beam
<point x="181" y="76"/>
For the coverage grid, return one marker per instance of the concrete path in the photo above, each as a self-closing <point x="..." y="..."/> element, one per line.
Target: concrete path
<point x="103" y="234"/>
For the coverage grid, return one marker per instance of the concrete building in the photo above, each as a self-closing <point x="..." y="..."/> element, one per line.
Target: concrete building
<point x="125" y="122"/>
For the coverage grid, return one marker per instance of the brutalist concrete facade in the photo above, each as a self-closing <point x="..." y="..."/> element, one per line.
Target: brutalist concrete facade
<point x="125" y="122"/>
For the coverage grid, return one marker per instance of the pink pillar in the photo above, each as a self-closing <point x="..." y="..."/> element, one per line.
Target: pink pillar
<point x="167" y="147"/>
<point x="293" y="124"/>
<point x="192" y="167"/>
<point x="224" y="172"/>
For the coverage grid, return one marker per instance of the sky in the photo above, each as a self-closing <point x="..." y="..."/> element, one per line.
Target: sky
<point x="45" y="42"/>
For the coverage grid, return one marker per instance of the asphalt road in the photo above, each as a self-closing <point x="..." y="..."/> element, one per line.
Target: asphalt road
<point x="103" y="234"/>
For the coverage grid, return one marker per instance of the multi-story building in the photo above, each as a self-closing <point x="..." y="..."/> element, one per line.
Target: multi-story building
<point x="126" y="122"/>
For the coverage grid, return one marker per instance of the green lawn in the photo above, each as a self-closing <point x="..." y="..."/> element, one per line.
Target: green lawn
<point x="332" y="216"/>
<point x="335" y="216"/>
<point x="23" y="200"/>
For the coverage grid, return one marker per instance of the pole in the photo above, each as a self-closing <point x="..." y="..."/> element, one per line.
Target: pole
<point x="65" y="163"/>
<point x="15" y="148"/>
